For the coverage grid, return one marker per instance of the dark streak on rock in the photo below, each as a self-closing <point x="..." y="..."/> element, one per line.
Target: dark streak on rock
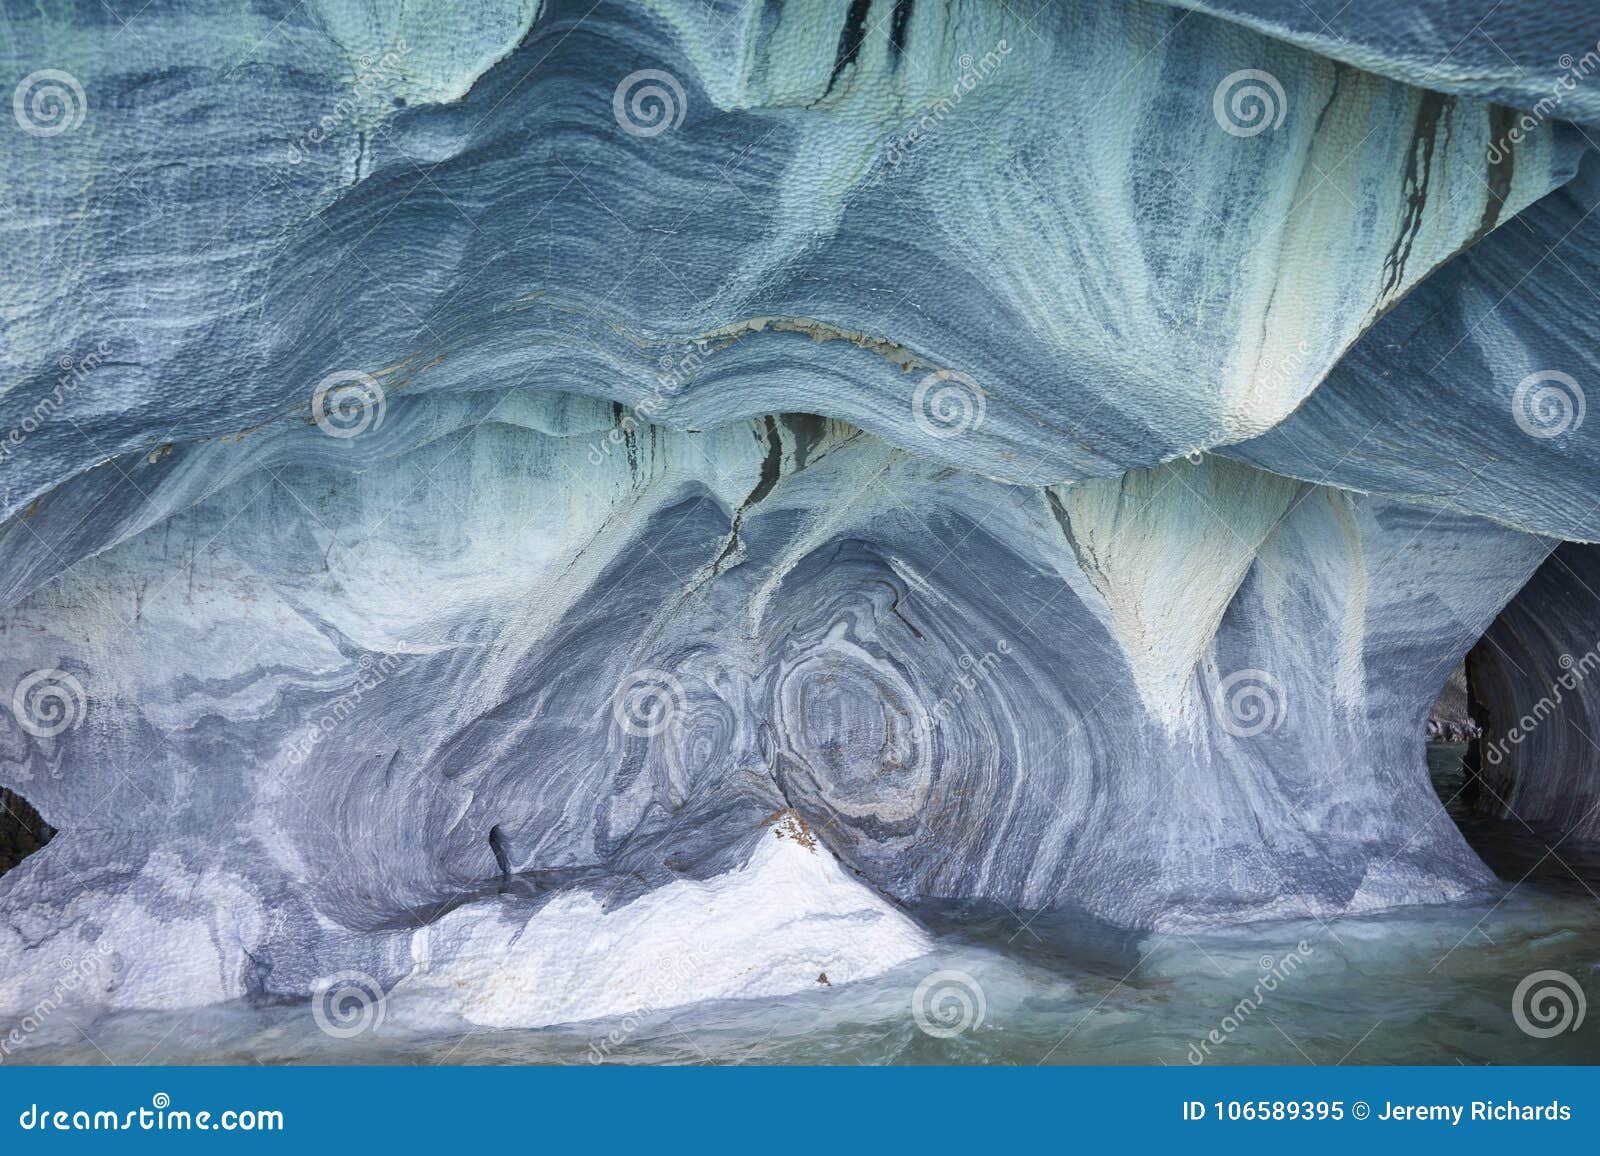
<point x="771" y="469"/>
<point x="766" y="29"/>
<point x="1501" y="122"/>
<point x="1419" y="171"/>
<point x="1085" y="563"/>
<point x="894" y="608"/>
<point x="897" y="31"/>
<point x="808" y="430"/>
<point x="1333" y="95"/>
<point x="630" y="446"/>
<point x="770" y="465"/>
<point x="851" y="37"/>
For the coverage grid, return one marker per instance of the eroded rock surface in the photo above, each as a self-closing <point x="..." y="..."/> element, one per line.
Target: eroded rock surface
<point x="529" y="504"/>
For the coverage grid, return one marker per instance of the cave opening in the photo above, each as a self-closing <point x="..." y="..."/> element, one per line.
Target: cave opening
<point x="1512" y="746"/>
<point x="22" y="830"/>
<point x="1453" y="752"/>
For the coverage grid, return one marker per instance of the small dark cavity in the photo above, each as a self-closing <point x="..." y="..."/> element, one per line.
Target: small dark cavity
<point x="22" y="830"/>
<point x="497" y="844"/>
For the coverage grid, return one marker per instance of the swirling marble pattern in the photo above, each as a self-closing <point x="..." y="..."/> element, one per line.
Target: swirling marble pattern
<point x="926" y="675"/>
<point x="1136" y="282"/>
<point x="1536" y="57"/>
<point x="1471" y="394"/>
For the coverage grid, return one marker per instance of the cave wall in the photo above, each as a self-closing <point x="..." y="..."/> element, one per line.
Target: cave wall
<point x="494" y="666"/>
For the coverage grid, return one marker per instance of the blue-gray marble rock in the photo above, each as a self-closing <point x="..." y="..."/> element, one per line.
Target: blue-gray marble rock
<point x="547" y="508"/>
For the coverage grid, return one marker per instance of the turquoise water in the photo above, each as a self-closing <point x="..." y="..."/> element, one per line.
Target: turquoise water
<point x="1429" y="985"/>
